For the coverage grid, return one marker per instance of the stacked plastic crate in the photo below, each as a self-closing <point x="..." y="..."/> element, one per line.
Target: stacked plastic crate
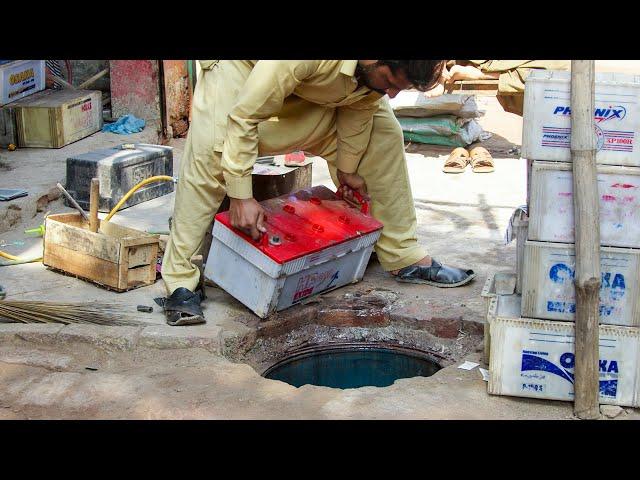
<point x="532" y="353"/>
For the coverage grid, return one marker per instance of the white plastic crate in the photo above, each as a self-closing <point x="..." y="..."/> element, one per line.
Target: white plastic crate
<point x="548" y="289"/>
<point x="536" y="358"/>
<point x="498" y="305"/>
<point x="21" y="78"/>
<point x="552" y="204"/>
<point x="546" y="133"/>
<point x="323" y="244"/>
<point x="500" y="283"/>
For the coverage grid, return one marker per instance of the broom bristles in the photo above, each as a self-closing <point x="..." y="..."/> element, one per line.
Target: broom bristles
<point x="23" y="311"/>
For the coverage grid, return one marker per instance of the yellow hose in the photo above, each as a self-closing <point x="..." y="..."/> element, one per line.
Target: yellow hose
<point x="9" y="256"/>
<point x="157" y="178"/>
<point x="13" y="258"/>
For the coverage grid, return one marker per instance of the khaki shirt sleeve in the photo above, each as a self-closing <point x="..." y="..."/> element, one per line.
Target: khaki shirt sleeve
<point x="262" y="96"/>
<point x="354" y="123"/>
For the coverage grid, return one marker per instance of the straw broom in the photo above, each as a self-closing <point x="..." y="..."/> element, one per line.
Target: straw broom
<point x="18" y="311"/>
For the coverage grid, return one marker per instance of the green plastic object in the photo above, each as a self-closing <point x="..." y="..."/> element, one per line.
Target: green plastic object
<point x="35" y="232"/>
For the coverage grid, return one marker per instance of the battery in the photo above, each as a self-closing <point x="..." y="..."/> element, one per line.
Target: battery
<point x="120" y="169"/>
<point x="315" y="242"/>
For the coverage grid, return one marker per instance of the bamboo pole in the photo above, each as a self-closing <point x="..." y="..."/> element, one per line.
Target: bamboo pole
<point x="61" y="81"/>
<point x="586" y="210"/>
<point x="87" y="83"/>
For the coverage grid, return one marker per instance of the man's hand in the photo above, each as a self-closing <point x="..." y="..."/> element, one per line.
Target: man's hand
<point x="352" y="182"/>
<point x="248" y="216"/>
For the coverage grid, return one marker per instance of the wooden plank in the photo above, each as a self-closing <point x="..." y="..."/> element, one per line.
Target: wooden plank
<point x="586" y="207"/>
<point x="118" y="231"/>
<point x="123" y="268"/>
<point x="137" y="277"/>
<point x="152" y="266"/>
<point x="140" y="255"/>
<point x="80" y="240"/>
<point x="73" y="219"/>
<point x="61" y="81"/>
<point x="90" y="81"/>
<point x="82" y="265"/>
<point x="135" y="241"/>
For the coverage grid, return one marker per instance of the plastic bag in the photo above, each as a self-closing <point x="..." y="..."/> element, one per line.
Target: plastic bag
<point x="124" y="125"/>
<point x="415" y="104"/>
<point x="447" y="130"/>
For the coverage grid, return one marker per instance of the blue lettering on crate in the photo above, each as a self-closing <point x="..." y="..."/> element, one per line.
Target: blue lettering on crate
<point x="600" y="115"/>
<point x="608" y="388"/>
<point x="612" y="289"/>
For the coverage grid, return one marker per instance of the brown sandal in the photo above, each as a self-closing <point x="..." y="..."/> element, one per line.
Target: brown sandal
<point x="457" y="161"/>
<point x="481" y="160"/>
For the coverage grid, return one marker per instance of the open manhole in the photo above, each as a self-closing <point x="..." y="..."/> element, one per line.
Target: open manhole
<point x="352" y="366"/>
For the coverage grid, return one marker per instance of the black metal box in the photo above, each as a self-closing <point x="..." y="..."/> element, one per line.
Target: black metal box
<point x="119" y="169"/>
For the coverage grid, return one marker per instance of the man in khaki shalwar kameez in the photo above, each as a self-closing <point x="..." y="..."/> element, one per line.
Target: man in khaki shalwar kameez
<point x="511" y="76"/>
<point x="330" y="108"/>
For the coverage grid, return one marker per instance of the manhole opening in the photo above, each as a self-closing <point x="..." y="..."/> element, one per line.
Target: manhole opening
<point x="352" y="366"/>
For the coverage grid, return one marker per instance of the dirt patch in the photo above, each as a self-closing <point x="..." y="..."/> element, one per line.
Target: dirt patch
<point x="11" y="217"/>
<point x="5" y="166"/>
<point x="43" y="202"/>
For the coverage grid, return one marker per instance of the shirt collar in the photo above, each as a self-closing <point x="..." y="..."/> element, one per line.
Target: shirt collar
<point x="349" y="67"/>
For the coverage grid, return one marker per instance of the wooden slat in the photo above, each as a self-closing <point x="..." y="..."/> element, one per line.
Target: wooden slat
<point x="140" y="255"/>
<point x="139" y="276"/>
<point x="84" y="266"/>
<point x="152" y="265"/>
<point x="123" y="268"/>
<point x="74" y="219"/>
<point x="135" y="241"/>
<point x="118" y="231"/>
<point x="80" y="240"/>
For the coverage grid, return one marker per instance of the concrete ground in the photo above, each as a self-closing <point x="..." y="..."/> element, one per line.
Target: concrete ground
<point x="157" y="371"/>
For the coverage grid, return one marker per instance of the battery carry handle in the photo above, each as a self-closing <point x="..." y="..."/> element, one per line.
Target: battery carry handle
<point x="364" y="205"/>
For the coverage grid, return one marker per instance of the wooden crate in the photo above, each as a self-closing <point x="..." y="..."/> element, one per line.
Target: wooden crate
<point x="117" y="258"/>
<point x="58" y="117"/>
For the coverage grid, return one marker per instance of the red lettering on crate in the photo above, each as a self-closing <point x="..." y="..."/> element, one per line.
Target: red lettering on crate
<point x="302" y="293"/>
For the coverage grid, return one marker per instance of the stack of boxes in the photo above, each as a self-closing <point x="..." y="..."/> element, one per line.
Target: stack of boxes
<point x="18" y="79"/>
<point x="33" y="117"/>
<point x="532" y="334"/>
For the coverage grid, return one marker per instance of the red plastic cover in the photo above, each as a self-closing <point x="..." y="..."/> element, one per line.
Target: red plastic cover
<point x="305" y="222"/>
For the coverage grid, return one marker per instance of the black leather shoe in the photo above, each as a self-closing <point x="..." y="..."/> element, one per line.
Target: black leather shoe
<point x="436" y="274"/>
<point x="182" y="307"/>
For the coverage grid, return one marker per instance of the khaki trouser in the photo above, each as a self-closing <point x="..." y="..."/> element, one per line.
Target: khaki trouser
<point x="201" y="188"/>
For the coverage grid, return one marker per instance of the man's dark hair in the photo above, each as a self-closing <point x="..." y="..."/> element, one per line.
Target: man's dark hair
<point x="423" y="74"/>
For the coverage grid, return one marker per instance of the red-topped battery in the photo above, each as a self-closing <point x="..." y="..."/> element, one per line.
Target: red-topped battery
<point x="305" y="222"/>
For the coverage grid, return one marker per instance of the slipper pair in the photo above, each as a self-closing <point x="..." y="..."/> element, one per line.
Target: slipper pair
<point x="479" y="157"/>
